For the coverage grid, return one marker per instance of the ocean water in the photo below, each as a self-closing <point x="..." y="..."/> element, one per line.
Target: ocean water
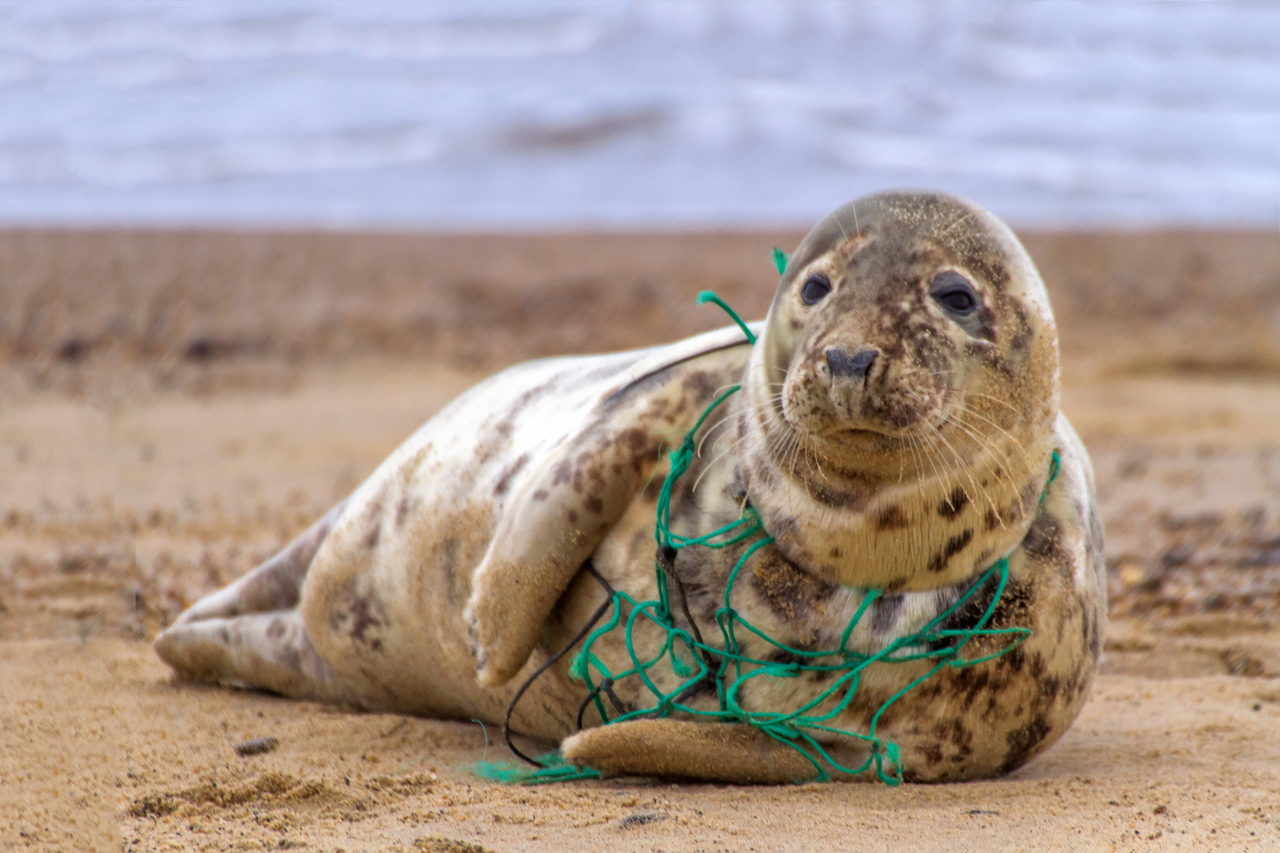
<point x="655" y="113"/>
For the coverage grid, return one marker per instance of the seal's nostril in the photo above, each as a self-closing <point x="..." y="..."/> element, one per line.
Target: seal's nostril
<point x="855" y="367"/>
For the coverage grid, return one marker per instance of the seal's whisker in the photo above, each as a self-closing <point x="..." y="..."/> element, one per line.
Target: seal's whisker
<point x="707" y="433"/>
<point x="929" y="458"/>
<point x="1013" y="443"/>
<point x="985" y="396"/>
<point x="917" y="451"/>
<point x="1000" y="455"/>
<point x="1000" y="450"/>
<point x="966" y="468"/>
<point x="709" y="466"/>
<point x="985" y="419"/>
<point x="1007" y="451"/>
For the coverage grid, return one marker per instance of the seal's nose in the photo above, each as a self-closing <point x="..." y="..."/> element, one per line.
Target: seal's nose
<point x="855" y="367"/>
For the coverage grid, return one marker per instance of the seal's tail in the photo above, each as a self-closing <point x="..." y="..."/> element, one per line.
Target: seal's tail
<point x="251" y="632"/>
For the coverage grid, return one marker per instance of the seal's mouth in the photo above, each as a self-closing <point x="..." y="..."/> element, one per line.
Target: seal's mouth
<point x="869" y="434"/>
<point x="865" y="436"/>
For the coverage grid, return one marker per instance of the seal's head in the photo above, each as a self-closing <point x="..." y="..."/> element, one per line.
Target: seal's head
<point x="903" y="395"/>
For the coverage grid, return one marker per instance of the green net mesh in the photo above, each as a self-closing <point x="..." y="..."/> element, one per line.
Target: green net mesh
<point x="686" y="659"/>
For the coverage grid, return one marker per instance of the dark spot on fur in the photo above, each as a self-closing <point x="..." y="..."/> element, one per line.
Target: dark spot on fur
<point x="991" y="521"/>
<point x="952" y="506"/>
<point x="891" y="518"/>
<point x="1013" y="610"/>
<point x="789" y="591"/>
<point x="786" y="658"/>
<point x="276" y="629"/>
<point x="404" y="506"/>
<point x="932" y="753"/>
<point x="1044" y="539"/>
<point x="653" y="489"/>
<point x="372" y="517"/>
<point x="573" y="516"/>
<point x="364" y="615"/>
<point x="1016" y="660"/>
<point x="593" y="503"/>
<point x="1019" y="341"/>
<point x="1092" y="636"/>
<point x="540" y="495"/>
<point x="1023" y="743"/>
<point x="363" y="610"/>
<point x="973" y="680"/>
<point x="841" y="498"/>
<point x="884" y="612"/>
<point x="1094" y="547"/>
<point x="504" y="481"/>
<point x="703" y="383"/>
<point x="954" y="546"/>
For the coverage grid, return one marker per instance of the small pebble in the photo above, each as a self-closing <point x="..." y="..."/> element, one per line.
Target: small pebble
<point x="640" y="820"/>
<point x="257" y="746"/>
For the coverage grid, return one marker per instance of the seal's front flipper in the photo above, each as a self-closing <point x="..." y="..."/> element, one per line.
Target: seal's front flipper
<point x="581" y="489"/>
<point x="713" y="752"/>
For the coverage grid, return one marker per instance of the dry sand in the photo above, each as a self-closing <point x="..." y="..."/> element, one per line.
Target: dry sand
<point x="177" y="406"/>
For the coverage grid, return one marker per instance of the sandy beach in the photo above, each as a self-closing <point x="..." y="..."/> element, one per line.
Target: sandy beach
<point x="175" y="406"/>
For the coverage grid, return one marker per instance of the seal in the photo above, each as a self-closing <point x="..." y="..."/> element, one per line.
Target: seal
<point x="894" y="431"/>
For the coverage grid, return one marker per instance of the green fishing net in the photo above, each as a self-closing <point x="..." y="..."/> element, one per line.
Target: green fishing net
<point x="691" y="662"/>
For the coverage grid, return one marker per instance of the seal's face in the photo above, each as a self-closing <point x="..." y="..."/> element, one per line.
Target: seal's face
<point x="909" y="363"/>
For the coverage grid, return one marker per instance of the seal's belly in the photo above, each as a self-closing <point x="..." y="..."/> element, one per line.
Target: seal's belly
<point x="384" y="596"/>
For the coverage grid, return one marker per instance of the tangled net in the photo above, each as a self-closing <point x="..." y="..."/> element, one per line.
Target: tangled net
<point x="696" y="663"/>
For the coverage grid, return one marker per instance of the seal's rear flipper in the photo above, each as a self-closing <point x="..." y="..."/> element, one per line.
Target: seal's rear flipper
<point x="267" y="651"/>
<point x="713" y="752"/>
<point x="274" y="585"/>
<point x="250" y="632"/>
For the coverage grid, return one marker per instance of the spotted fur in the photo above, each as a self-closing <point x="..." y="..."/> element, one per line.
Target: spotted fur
<point x="911" y="472"/>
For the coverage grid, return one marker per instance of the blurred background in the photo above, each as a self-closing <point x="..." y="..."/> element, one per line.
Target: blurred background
<point x="650" y="114"/>
<point x="246" y="247"/>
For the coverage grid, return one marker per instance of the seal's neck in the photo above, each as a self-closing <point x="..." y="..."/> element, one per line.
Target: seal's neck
<point x="918" y="515"/>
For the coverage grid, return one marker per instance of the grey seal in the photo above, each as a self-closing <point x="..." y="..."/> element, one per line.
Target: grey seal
<point x="894" y="431"/>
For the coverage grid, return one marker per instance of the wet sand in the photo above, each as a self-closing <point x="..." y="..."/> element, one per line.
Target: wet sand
<point x="177" y="406"/>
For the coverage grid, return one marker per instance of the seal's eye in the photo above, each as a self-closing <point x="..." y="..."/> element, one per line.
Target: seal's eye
<point x="954" y="293"/>
<point x="815" y="288"/>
